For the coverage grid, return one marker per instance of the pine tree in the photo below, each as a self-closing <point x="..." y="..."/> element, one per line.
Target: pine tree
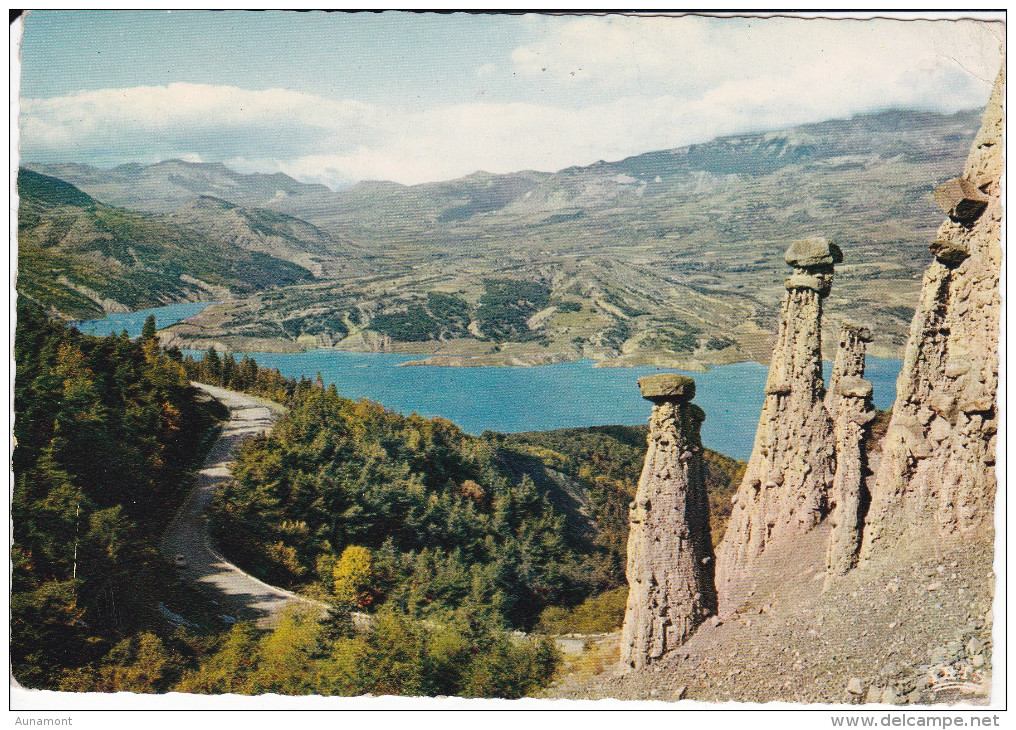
<point x="148" y="331"/>
<point x="229" y="371"/>
<point x="212" y="366"/>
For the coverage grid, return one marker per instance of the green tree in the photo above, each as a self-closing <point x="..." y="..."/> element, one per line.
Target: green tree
<point x="393" y="657"/>
<point x="149" y="329"/>
<point x="211" y="366"/>
<point x="511" y="670"/>
<point x="229" y="371"/>
<point x="287" y="656"/>
<point x="231" y="668"/>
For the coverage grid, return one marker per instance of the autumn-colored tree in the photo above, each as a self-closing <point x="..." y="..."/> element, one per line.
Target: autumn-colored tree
<point x="231" y="668"/>
<point x="286" y="655"/>
<point x="352" y="576"/>
<point x="140" y="664"/>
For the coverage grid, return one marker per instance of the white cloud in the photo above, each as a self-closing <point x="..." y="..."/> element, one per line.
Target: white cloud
<point x="486" y="69"/>
<point x="181" y="119"/>
<point x="679" y="55"/>
<point x="601" y="89"/>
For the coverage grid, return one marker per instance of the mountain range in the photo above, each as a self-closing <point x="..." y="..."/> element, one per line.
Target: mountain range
<point x="668" y="257"/>
<point x="165" y="186"/>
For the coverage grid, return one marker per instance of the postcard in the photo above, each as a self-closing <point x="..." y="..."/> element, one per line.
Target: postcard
<point x="429" y="360"/>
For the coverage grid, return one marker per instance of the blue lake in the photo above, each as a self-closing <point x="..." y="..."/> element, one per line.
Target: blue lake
<point x="114" y="324"/>
<point x="513" y="399"/>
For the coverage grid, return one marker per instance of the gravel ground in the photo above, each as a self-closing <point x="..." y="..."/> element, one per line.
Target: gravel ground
<point x="911" y="628"/>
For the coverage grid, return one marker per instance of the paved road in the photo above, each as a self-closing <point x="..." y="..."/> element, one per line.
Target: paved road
<point x="241" y="595"/>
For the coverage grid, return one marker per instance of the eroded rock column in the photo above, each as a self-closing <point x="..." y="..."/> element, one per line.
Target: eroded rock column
<point x="936" y="475"/>
<point x="786" y="484"/>
<point x="850" y="358"/>
<point x="854" y="413"/>
<point x="670" y="555"/>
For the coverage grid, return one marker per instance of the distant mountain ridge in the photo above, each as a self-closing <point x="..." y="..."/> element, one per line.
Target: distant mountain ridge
<point x="164" y="186"/>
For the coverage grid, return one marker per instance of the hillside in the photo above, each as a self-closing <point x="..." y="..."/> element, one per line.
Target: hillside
<point x="80" y="258"/>
<point x="596" y="307"/>
<point x="462" y="538"/>
<point x="267" y="232"/>
<point x="500" y="525"/>
<point x="671" y="257"/>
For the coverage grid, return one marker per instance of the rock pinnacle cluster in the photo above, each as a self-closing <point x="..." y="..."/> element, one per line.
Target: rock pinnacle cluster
<point x="670" y="554"/>
<point x="934" y="478"/>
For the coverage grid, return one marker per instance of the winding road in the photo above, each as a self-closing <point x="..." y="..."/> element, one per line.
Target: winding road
<point x="241" y="595"/>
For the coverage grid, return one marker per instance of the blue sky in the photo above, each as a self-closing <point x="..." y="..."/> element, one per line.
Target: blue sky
<point x="337" y="97"/>
<point x="405" y="58"/>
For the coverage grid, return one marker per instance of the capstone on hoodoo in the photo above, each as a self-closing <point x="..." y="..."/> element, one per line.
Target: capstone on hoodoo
<point x="786" y="485"/>
<point x="670" y="554"/>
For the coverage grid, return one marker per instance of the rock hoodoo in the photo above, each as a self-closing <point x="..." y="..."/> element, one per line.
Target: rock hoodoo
<point x="849" y="495"/>
<point x="850" y="357"/>
<point x="936" y="472"/>
<point x="849" y="404"/>
<point x="670" y="554"/>
<point x="786" y="486"/>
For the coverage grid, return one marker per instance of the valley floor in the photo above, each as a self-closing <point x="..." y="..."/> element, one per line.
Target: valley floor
<point x="913" y="630"/>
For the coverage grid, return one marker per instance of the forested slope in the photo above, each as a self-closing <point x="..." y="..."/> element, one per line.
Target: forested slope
<point x="449" y="541"/>
<point x="356" y="504"/>
<point x="106" y="430"/>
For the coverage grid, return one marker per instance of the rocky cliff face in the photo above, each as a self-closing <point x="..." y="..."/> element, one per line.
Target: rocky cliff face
<point x="670" y="555"/>
<point x="786" y="485"/>
<point x="936" y="473"/>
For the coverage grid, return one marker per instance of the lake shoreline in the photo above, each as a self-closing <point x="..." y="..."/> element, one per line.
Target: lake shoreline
<point x="573" y="393"/>
<point x="434" y="354"/>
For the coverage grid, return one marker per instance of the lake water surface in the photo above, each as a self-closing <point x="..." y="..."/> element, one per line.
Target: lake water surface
<point x="513" y="399"/>
<point x="114" y="324"/>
